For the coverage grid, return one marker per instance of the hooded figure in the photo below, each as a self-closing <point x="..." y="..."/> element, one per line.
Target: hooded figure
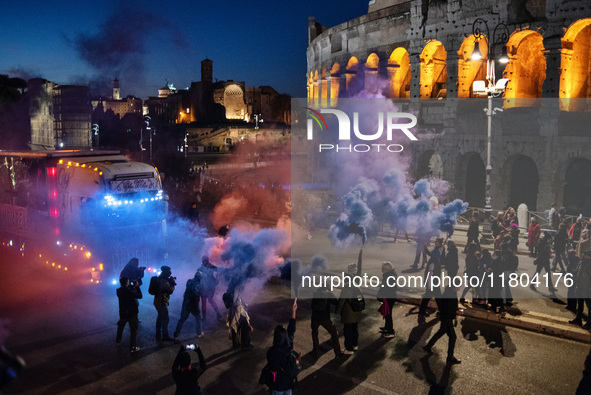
<point x="133" y="271"/>
<point x="165" y="285"/>
<point x="239" y="324"/>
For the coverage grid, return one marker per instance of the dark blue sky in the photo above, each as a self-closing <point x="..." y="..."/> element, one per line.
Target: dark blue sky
<point x="145" y="43"/>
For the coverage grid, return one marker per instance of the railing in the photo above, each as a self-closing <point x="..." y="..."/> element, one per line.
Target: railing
<point x="541" y="217"/>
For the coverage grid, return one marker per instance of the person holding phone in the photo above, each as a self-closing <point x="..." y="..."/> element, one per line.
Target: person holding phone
<point x="186" y="374"/>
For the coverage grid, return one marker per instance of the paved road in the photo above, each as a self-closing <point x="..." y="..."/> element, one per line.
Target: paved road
<point x="66" y="333"/>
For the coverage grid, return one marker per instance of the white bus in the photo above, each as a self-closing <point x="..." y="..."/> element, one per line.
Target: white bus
<point x="97" y="204"/>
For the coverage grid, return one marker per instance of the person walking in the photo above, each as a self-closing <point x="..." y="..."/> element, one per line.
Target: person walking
<point x="387" y="296"/>
<point x="128" y="294"/>
<point x="433" y="269"/>
<point x="350" y="311"/>
<point x="471" y="270"/>
<point x="448" y="306"/>
<point x="473" y="231"/>
<point x="238" y="323"/>
<point x="571" y="270"/>
<point x="162" y="287"/>
<point x="543" y="261"/>
<point x="533" y="236"/>
<point x="560" y="241"/>
<point x="190" y="306"/>
<point x="553" y="218"/>
<point x="583" y="291"/>
<point x="322" y="301"/>
<point x="451" y="259"/>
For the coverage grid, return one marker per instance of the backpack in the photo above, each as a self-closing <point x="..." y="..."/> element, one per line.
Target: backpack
<point x="293" y="367"/>
<point x="357" y="302"/>
<point x="153" y="288"/>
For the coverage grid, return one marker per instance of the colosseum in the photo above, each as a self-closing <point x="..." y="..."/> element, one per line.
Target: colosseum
<point x="425" y="49"/>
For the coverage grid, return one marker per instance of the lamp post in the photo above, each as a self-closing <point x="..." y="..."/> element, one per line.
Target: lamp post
<point x="491" y="88"/>
<point x="257" y="119"/>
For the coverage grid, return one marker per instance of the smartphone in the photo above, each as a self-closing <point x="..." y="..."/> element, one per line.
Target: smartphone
<point x="190" y="347"/>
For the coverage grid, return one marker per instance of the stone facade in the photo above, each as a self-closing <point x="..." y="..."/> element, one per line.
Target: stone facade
<point x="422" y="49"/>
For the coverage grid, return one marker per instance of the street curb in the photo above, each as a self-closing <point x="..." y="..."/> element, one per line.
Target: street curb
<point x="531" y="321"/>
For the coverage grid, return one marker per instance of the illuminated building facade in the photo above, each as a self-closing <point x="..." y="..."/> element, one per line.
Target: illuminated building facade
<point x="421" y="49"/>
<point x="60" y="115"/>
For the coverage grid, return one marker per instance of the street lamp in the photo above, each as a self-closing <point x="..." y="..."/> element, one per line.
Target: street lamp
<point x="257" y="119"/>
<point x="95" y="131"/>
<point x="490" y="88"/>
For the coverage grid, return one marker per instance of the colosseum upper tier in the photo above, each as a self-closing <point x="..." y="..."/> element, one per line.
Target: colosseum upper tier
<point x="425" y="49"/>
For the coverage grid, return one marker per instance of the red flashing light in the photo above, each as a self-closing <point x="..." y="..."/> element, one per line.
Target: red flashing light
<point x="51" y="171"/>
<point x="54" y="212"/>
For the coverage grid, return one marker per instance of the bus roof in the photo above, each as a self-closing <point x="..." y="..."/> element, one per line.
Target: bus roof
<point x="58" y="153"/>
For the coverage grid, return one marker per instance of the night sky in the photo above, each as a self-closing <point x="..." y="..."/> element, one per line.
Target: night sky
<point x="146" y="43"/>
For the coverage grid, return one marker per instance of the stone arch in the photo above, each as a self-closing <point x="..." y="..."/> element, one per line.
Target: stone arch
<point x="399" y="74"/>
<point x="352" y="77"/>
<point x="575" y="79"/>
<point x="371" y="73"/>
<point x="310" y="88"/>
<point x="526" y="69"/>
<point x="577" y="187"/>
<point x="316" y="98"/>
<point x="335" y="84"/>
<point x="470" y="70"/>
<point x="521" y="173"/>
<point x="430" y="165"/>
<point x="323" y="86"/>
<point x="433" y="70"/>
<point x="471" y="174"/>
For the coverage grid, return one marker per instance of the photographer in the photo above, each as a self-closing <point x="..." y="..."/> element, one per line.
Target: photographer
<point x="186" y="374"/>
<point x="162" y="287"/>
<point x="133" y="271"/>
<point x="128" y="296"/>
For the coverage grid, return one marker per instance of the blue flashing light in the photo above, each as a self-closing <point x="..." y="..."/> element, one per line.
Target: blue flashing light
<point x="10" y="243"/>
<point x="114" y="282"/>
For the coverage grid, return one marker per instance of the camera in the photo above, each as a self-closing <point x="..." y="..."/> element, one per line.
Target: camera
<point x="190" y="347"/>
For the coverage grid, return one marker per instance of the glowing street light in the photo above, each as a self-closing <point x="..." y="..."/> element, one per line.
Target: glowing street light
<point x="490" y="88"/>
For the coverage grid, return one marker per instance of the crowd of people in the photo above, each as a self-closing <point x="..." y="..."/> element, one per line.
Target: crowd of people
<point x="571" y="255"/>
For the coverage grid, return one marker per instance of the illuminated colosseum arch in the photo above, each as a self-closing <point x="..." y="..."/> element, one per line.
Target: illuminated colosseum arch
<point x="433" y="70"/>
<point x="470" y="70"/>
<point x="526" y="69"/>
<point x="575" y="80"/>
<point x="399" y="74"/>
<point x="310" y="88"/>
<point x="316" y="89"/>
<point x="323" y="88"/>
<point x="335" y="84"/>
<point x="352" y="76"/>
<point x="371" y="73"/>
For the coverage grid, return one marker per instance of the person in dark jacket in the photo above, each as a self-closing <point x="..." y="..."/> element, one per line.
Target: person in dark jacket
<point x="322" y="302"/>
<point x="448" y="306"/>
<point x="583" y="290"/>
<point x="433" y="269"/>
<point x="471" y="270"/>
<point x="451" y="260"/>
<point x="350" y="318"/>
<point x="473" y="231"/>
<point x="128" y="311"/>
<point x="190" y="306"/>
<point x="185" y="373"/>
<point x="495" y="291"/>
<point x="543" y="260"/>
<point x="560" y="241"/>
<point x="278" y="356"/>
<point x="387" y="295"/>
<point x="165" y="285"/>
<point x="571" y="270"/>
